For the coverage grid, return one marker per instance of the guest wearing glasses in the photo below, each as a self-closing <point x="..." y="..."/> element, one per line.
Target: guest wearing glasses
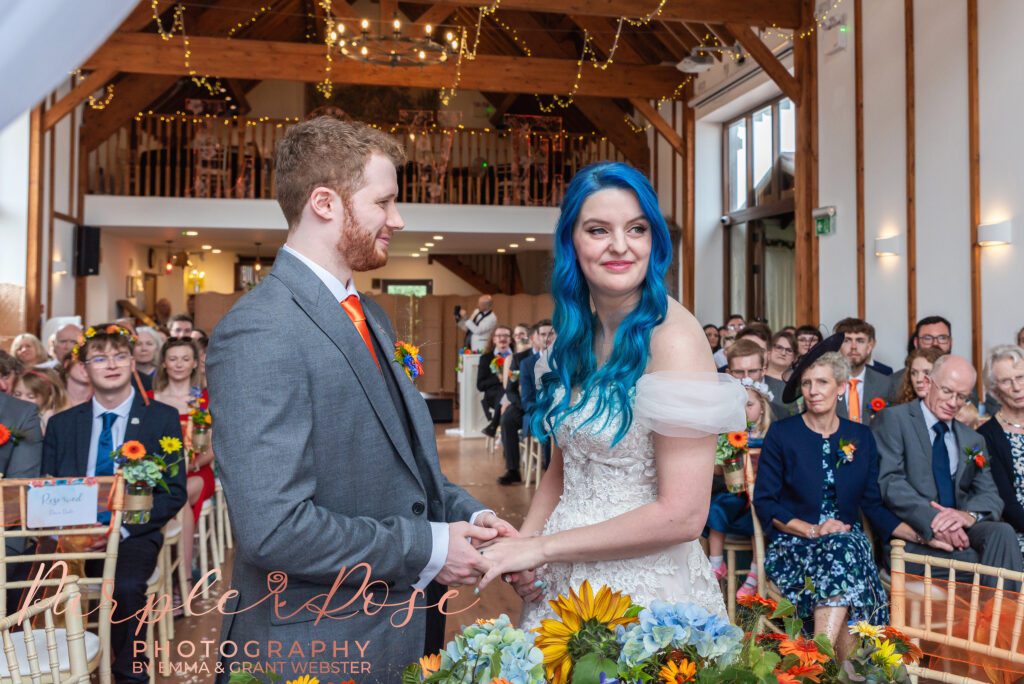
<point x="733" y="324"/>
<point x="930" y="332"/>
<point x="931" y="477"/>
<point x="806" y="337"/>
<point x="1004" y="377"/>
<point x="781" y="355"/>
<point x="746" y="359"/>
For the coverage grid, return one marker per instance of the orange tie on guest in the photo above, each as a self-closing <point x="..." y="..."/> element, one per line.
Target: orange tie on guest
<point x="355" y="311"/>
<point x="854" y="401"/>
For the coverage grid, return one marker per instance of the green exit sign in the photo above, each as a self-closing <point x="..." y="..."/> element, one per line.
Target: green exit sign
<point x="825" y="221"/>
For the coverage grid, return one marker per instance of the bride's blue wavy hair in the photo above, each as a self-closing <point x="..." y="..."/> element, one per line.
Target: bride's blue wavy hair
<point x="572" y="359"/>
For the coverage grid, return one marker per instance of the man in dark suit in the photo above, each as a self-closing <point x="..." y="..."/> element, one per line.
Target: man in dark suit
<point x="78" y="443"/>
<point x="21" y="456"/>
<point x="529" y="382"/>
<point x="514" y="411"/>
<point x="930" y="478"/>
<point x="865" y="383"/>
<point x="489" y="382"/>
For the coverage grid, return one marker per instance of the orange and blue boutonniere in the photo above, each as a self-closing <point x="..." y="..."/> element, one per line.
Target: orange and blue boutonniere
<point x="408" y="357"/>
<point x="9" y="435"/>
<point x="877" y="404"/>
<point x="975" y="455"/>
<point x="846" y="451"/>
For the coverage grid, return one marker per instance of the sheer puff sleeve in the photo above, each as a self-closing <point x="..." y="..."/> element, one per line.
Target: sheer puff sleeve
<point x="684" y="404"/>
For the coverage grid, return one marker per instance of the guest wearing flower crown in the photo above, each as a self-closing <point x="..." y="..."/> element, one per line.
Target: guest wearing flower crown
<point x="816" y="473"/>
<point x="729" y="513"/>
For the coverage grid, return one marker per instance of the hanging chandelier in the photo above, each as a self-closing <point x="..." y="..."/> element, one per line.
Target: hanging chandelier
<point x="394" y="49"/>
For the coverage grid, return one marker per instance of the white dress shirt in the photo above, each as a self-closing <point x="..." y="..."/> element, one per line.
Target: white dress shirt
<point x="438" y="530"/>
<point x="930" y="419"/>
<point x="117" y="430"/>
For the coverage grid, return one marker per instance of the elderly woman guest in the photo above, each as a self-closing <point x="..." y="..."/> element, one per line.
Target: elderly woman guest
<point x="147" y="351"/>
<point x="914" y="383"/>
<point x="816" y="473"/>
<point x="1004" y="436"/>
<point x="28" y="349"/>
<point x="781" y="356"/>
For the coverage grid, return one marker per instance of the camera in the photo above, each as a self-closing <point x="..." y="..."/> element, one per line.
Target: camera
<point x="458" y="313"/>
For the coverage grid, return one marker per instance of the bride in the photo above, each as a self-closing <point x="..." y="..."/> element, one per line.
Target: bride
<point x="634" y="404"/>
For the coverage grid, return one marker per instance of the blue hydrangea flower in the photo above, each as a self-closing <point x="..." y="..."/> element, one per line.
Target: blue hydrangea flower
<point x="663" y="625"/>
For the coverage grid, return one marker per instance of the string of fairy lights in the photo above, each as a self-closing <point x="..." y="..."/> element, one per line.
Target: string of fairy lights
<point x="332" y="29"/>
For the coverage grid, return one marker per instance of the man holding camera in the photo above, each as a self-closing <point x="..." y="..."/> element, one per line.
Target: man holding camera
<point x="479" y="326"/>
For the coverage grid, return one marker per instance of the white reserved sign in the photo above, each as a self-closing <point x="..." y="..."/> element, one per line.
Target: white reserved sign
<point x="57" y="505"/>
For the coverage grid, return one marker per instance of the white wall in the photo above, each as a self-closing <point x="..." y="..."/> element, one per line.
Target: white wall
<point x="14" y="200"/>
<point x="119" y="257"/>
<point x="708" y="240"/>
<point x="408" y="268"/>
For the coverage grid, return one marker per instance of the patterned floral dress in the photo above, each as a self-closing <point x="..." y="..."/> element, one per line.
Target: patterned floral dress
<point x="839" y="565"/>
<point x="1017" y="457"/>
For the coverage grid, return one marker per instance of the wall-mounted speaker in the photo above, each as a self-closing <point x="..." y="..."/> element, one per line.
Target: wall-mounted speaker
<point x="87" y="250"/>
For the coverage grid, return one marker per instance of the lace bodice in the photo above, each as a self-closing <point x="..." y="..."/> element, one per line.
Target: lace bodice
<point x="601" y="481"/>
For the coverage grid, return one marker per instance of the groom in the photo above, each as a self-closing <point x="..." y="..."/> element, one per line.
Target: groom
<point x="326" y="449"/>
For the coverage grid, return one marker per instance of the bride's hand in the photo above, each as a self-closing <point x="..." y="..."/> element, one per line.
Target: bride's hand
<point x="511" y="554"/>
<point x="526" y="584"/>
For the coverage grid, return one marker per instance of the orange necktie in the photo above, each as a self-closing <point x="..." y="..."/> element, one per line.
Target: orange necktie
<point x="354" y="310"/>
<point x="854" y="402"/>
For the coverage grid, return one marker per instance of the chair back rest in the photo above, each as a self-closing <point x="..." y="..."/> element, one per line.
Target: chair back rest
<point x="68" y="600"/>
<point x="994" y="625"/>
<point x="748" y="479"/>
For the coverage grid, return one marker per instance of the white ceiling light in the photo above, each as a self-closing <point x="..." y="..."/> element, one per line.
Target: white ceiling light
<point x="439" y="237"/>
<point x="531" y="239"/>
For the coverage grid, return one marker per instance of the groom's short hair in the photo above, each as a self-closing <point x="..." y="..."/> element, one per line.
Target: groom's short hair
<point x="327" y="152"/>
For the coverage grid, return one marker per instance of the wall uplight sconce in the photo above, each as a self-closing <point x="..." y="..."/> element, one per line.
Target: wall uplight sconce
<point x="887" y="246"/>
<point x="995" y="234"/>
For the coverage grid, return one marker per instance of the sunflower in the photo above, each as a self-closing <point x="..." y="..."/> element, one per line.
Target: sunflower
<point x="305" y="679"/>
<point x="586" y="626"/>
<point x="170" y="444"/>
<point x="429" y="664"/>
<point x="805" y="649"/>
<point x="133" y="450"/>
<point x="866" y="630"/>
<point x="685" y="671"/>
<point x="913" y="652"/>
<point x="738" y="439"/>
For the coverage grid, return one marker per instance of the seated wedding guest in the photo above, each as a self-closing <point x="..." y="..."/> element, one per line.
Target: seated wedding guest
<point x="931" y="332"/>
<point x="479" y="325"/>
<point x="817" y="472"/>
<point x="756" y="331"/>
<point x="43" y="388"/>
<point x="488" y="378"/>
<point x="806" y="337"/>
<point x="177" y="384"/>
<point x="544" y="336"/>
<point x="202" y="344"/>
<point x="21" y="441"/>
<point x="930" y="478"/>
<point x="27" y="348"/>
<point x="711" y="330"/>
<point x="198" y="334"/>
<point x="163" y="311"/>
<point x="864" y="384"/>
<point x="791" y="329"/>
<point x="61" y="344"/>
<point x="10" y="367"/>
<point x="733" y="325"/>
<point x="181" y="325"/>
<point x="915" y="383"/>
<point x="521" y="337"/>
<point x="969" y="416"/>
<point x="79" y="442"/>
<point x="1020" y="338"/>
<point x="781" y="355"/>
<point x="729" y="513"/>
<point x="746" y="359"/>
<point x="1004" y="436"/>
<point x="147" y="350"/>
<point x="512" y="413"/>
<point x="75" y="379"/>
<point x="164" y="333"/>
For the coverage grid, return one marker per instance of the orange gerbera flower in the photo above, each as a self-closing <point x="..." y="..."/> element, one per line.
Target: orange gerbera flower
<point x="913" y="654"/>
<point x="786" y="678"/>
<point x="756" y="601"/>
<point x="738" y="439"/>
<point x="5" y="434"/>
<point x="804" y="649"/>
<point x="811" y="672"/>
<point x="774" y="636"/>
<point x="685" y="671"/>
<point x="429" y="664"/>
<point x="133" y="450"/>
<point x="499" y="680"/>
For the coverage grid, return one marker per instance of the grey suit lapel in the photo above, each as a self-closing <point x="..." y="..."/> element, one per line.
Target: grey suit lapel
<point x="964" y="438"/>
<point x="920" y="429"/>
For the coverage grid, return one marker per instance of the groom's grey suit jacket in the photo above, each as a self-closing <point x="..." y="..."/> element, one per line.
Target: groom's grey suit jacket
<point x="326" y="464"/>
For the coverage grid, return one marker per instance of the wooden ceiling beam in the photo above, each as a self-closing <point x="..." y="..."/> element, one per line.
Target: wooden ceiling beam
<point x="658" y="121"/>
<point x="781" y="13"/>
<point x="682" y="36"/>
<point x="767" y="61"/>
<point x="435" y="16"/>
<point x="723" y="34"/>
<point x="142" y="15"/>
<point x="603" y="32"/>
<point x="89" y="85"/>
<point x="249" y="59"/>
<point x="701" y="34"/>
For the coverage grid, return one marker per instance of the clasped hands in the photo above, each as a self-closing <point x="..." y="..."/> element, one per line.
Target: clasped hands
<point x="467" y="562"/>
<point x="948" y="528"/>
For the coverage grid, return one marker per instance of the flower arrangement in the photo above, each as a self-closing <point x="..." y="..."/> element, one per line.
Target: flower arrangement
<point x="9" y="435"/>
<point x="408" y="357"/>
<point x="975" y="455"/>
<point x="846" y="452"/>
<point x="730" y="452"/>
<point x="497" y="363"/>
<point x="877" y="404"/>
<point x="92" y="332"/>
<point x="462" y="352"/>
<point x="141" y="472"/>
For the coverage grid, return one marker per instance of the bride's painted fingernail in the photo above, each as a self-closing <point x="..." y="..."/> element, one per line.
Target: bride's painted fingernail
<point x="538" y="583"/>
<point x="477" y="590"/>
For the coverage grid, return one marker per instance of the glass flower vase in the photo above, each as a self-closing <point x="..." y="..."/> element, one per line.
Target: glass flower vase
<point x="138" y="502"/>
<point x="733" y="470"/>
<point x="200" y="439"/>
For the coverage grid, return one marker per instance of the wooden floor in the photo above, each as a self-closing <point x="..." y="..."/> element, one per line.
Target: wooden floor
<point x="466" y="463"/>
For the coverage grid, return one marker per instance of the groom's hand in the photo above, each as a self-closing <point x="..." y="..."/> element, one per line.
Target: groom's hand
<point x="492" y="521"/>
<point x="465" y="564"/>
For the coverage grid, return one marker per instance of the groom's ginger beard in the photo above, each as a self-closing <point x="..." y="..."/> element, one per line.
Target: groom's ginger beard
<point x="359" y="248"/>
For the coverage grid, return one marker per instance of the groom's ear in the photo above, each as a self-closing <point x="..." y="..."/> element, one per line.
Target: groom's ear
<point x="325" y="203"/>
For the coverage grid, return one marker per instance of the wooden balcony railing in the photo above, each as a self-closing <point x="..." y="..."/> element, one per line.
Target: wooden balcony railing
<point x="156" y="156"/>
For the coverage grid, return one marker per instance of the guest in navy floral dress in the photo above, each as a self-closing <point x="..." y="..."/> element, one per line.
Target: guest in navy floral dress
<point x="816" y="473"/>
<point x="1004" y="434"/>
